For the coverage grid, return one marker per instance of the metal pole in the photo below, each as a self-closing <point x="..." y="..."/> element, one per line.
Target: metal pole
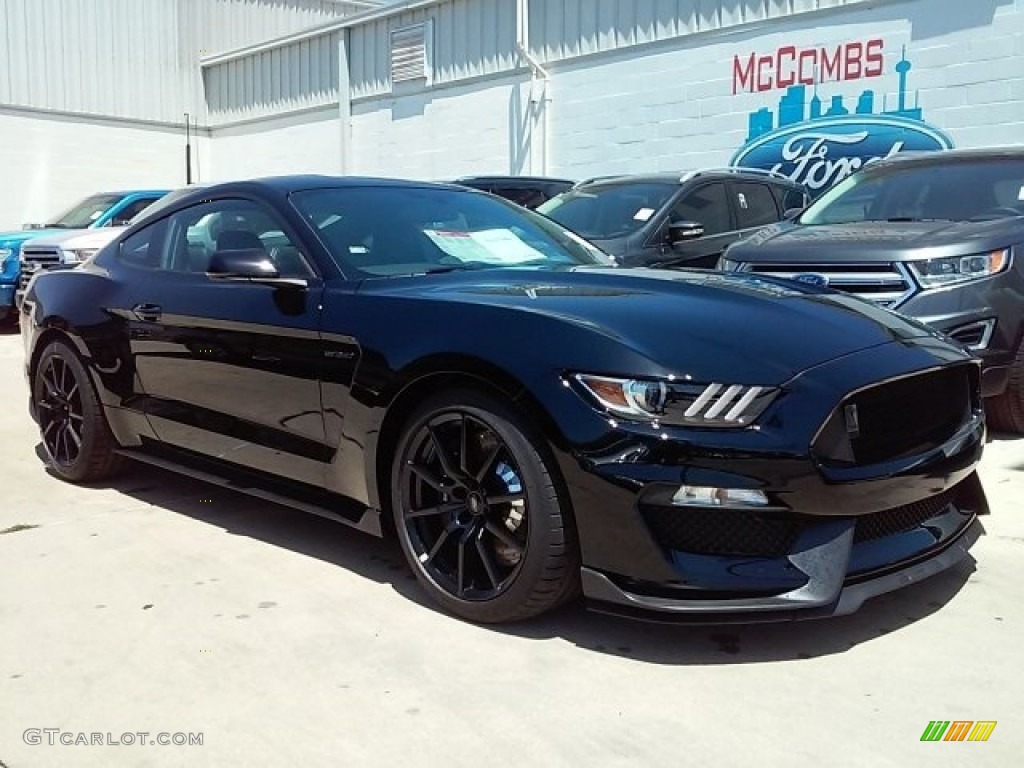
<point x="188" y="150"/>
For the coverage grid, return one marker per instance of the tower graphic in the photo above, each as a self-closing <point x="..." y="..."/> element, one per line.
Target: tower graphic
<point x="794" y="107"/>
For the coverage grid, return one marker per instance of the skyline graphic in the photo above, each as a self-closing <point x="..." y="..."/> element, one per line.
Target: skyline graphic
<point x="795" y="107"/>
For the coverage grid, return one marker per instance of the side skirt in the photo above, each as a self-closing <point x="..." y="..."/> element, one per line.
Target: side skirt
<point x="297" y="496"/>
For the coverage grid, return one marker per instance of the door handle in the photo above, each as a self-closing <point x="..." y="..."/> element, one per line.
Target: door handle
<point x="147" y="313"/>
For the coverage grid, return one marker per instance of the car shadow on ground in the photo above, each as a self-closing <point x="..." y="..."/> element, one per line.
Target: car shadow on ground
<point x="382" y="561"/>
<point x="8" y="329"/>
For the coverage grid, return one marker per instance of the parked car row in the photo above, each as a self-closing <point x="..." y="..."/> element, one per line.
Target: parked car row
<point x="532" y="420"/>
<point x="56" y="243"/>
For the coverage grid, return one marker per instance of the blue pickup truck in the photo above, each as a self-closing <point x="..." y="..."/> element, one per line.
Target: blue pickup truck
<point x="102" y="210"/>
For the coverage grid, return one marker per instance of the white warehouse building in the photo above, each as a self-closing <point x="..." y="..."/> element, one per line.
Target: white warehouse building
<point x="436" y="89"/>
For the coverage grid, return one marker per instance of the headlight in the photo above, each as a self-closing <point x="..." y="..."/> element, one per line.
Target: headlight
<point x="5" y="254"/>
<point x="77" y="255"/>
<point x="935" y="273"/>
<point x="677" y="403"/>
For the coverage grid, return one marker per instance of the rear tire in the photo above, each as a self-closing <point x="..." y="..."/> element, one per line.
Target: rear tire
<point x="1005" y="412"/>
<point x="78" y="443"/>
<point x="477" y="511"/>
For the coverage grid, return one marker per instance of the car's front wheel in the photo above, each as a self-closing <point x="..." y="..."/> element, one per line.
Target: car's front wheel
<point x="78" y="444"/>
<point x="478" y="512"/>
<point x="1006" y="412"/>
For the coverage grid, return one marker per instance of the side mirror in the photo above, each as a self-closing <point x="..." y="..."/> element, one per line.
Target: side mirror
<point x="682" y="231"/>
<point x="251" y="265"/>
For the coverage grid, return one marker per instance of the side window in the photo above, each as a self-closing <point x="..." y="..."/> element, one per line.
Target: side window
<point x="707" y="206"/>
<point x="528" y="198"/>
<point x="790" y="198"/>
<point x="142" y="249"/>
<point x="195" y="234"/>
<point x="131" y="210"/>
<point x="755" y="205"/>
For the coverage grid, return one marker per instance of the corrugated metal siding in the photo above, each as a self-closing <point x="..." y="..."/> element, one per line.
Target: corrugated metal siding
<point x="136" y="59"/>
<point x="292" y="77"/>
<point x="470" y="38"/>
<point x="563" y="29"/>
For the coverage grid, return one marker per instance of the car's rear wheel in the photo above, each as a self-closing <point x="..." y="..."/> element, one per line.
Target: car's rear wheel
<point x="1005" y="412"/>
<point x="78" y="444"/>
<point x="478" y="513"/>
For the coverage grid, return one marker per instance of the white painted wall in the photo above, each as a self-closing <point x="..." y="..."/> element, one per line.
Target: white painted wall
<point x="306" y="143"/>
<point x="670" y="105"/>
<point x="49" y="162"/>
<point x="442" y="133"/>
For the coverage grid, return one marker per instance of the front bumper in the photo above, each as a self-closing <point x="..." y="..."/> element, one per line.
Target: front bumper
<point x="827" y="592"/>
<point x="833" y="533"/>
<point x="987" y="316"/>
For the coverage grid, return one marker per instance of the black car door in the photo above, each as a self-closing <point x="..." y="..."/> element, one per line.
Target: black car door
<point x="229" y="370"/>
<point x="708" y="206"/>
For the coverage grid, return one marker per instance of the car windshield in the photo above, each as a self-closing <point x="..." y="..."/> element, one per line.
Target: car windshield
<point x="382" y="231"/>
<point x="85" y="213"/>
<point x="608" y="211"/>
<point x="964" y="190"/>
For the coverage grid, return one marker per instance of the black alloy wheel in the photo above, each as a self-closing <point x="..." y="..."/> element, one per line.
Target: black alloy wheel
<point x="78" y="444"/>
<point x="477" y="512"/>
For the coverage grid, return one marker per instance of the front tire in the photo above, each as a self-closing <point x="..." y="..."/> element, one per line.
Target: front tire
<point x="1005" y="412"/>
<point x="478" y="513"/>
<point x="78" y="443"/>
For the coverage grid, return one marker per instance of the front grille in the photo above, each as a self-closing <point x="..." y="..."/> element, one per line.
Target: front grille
<point x="36" y="259"/>
<point x="878" y="525"/>
<point x="899" y="418"/>
<point x="718" y="531"/>
<point x="885" y="283"/>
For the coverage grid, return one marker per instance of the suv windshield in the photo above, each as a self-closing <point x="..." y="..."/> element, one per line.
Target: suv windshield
<point x="950" y="191"/>
<point x="385" y="231"/>
<point x="85" y="213"/>
<point x="607" y="211"/>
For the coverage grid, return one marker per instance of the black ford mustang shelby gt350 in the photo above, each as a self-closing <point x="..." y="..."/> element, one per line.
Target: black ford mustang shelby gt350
<point x="530" y="420"/>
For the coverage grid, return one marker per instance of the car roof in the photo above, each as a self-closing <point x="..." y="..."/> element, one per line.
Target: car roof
<point x="127" y="192"/>
<point x="681" y="177"/>
<point x="945" y="156"/>
<point x="509" y="179"/>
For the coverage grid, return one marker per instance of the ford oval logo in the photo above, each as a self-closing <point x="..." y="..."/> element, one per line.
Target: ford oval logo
<point x="819" y="153"/>
<point x="812" y="278"/>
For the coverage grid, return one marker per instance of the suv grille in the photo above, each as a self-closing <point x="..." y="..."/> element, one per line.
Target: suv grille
<point x="885" y="283"/>
<point x="36" y="259"/>
<point x="899" y="418"/>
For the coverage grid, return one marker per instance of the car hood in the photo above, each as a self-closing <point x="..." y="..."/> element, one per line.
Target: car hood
<point x="78" y="238"/>
<point x="19" y="236"/>
<point x="693" y="322"/>
<point x="876" y="240"/>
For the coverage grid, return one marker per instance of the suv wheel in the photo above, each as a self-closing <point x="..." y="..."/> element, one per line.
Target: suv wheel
<point x="1006" y="412"/>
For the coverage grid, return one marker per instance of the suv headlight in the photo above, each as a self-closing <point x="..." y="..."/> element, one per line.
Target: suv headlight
<point x="677" y="403"/>
<point x="5" y="254"/>
<point x="77" y="255"/>
<point x="935" y="273"/>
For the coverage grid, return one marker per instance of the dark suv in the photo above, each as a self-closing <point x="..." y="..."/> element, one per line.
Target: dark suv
<point x="527" y="191"/>
<point x="672" y="219"/>
<point x="938" y="236"/>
